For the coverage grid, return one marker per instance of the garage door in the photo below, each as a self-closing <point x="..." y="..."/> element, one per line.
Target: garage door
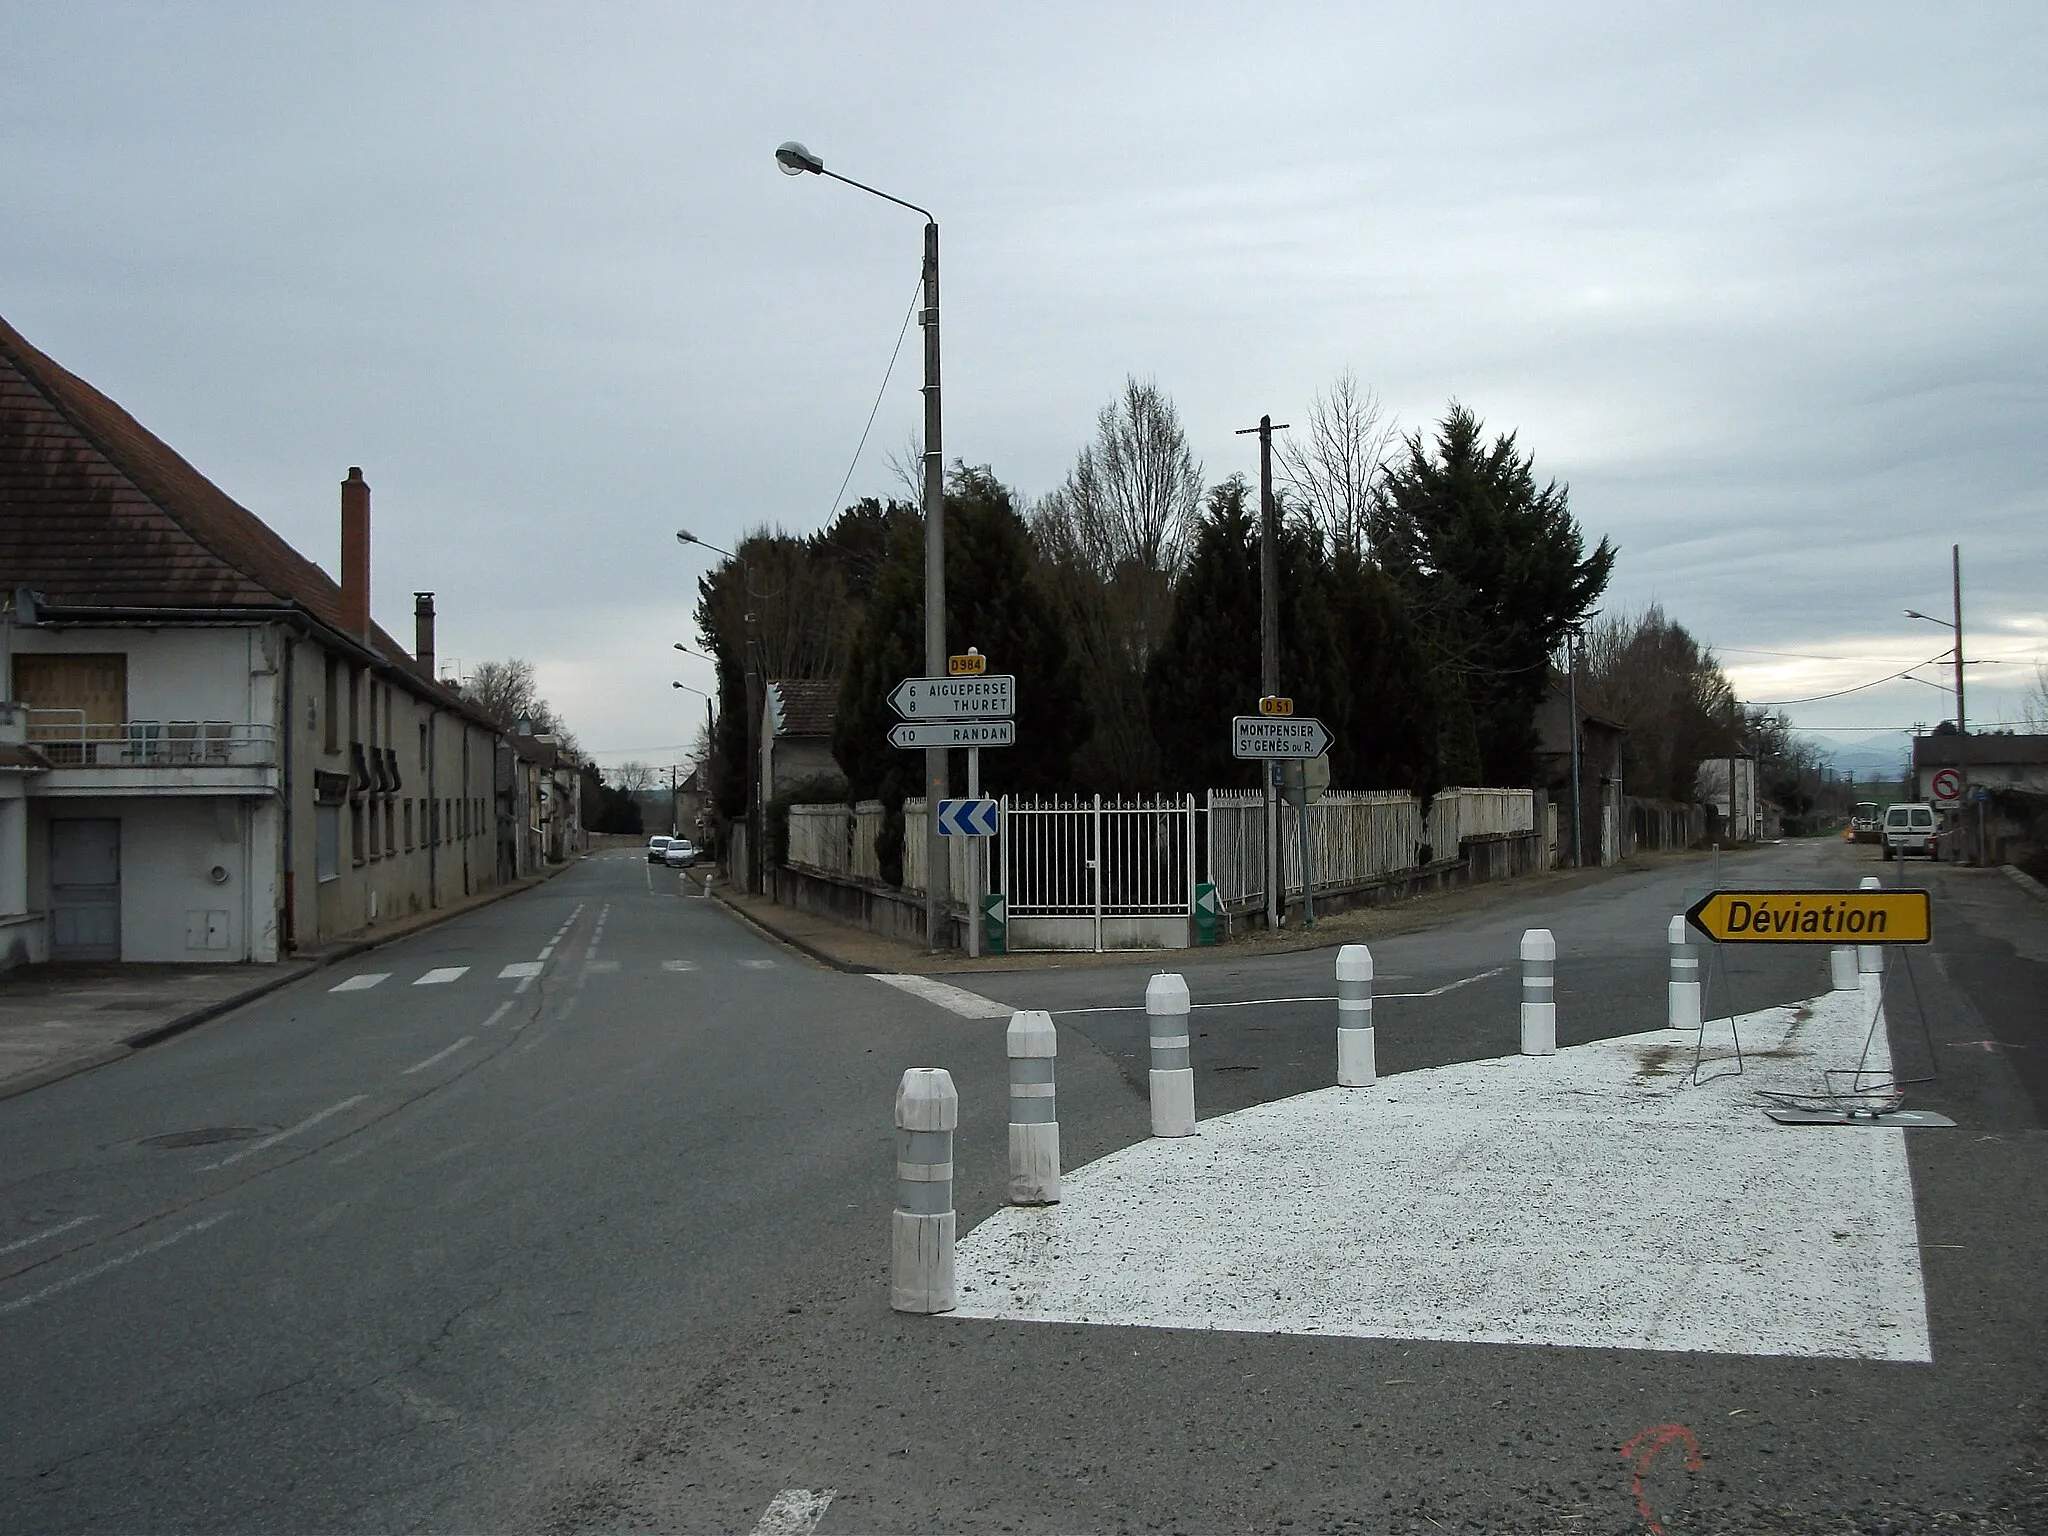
<point x="85" y="889"/>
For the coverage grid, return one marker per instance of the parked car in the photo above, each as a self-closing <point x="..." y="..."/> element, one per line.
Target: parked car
<point x="1911" y="829"/>
<point x="680" y="853"/>
<point x="656" y="847"/>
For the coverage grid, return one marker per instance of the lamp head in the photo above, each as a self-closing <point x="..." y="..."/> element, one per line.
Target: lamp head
<point x="684" y="536"/>
<point x="795" y="160"/>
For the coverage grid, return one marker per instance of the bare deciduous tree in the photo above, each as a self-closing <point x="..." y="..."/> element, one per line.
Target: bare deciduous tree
<point x="634" y="777"/>
<point x="508" y="692"/>
<point x="1132" y="496"/>
<point x="2034" y="707"/>
<point x="1331" y="464"/>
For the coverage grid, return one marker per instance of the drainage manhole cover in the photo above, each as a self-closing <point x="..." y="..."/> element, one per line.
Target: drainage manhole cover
<point x="205" y="1136"/>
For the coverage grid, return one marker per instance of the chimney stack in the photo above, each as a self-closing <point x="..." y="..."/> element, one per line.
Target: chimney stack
<point x="423" y="630"/>
<point x="355" y="553"/>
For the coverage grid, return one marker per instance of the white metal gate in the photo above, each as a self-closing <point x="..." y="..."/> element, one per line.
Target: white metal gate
<point x="1123" y="868"/>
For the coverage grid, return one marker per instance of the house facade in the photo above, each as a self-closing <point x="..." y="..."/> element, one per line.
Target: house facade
<point x="239" y="762"/>
<point x="1600" y="835"/>
<point x="796" y="733"/>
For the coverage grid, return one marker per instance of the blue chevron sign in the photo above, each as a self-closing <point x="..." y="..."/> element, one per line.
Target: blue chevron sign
<point x="967" y="818"/>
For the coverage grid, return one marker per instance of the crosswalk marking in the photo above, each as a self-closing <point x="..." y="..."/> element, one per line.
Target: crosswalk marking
<point x="440" y="976"/>
<point x="759" y="965"/>
<point x="602" y="966"/>
<point x="363" y="982"/>
<point x="679" y="965"/>
<point x="969" y="1005"/>
<point x="527" y="971"/>
<point x="520" y="968"/>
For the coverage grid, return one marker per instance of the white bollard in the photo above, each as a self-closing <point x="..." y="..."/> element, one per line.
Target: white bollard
<point x="922" y="1225"/>
<point x="1842" y="968"/>
<point x="1539" y="993"/>
<point x="1356" y="1067"/>
<point x="1683" y="990"/>
<point x="1173" y="1074"/>
<point x="1034" y="1120"/>
<point x="1870" y="965"/>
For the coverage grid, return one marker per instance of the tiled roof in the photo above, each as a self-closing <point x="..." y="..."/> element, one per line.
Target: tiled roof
<point x="803" y="706"/>
<point x="97" y="511"/>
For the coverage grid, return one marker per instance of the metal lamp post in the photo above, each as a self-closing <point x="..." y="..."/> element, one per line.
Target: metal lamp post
<point x="795" y="160"/>
<point x="751" y="673"/>
<point x="1955" y="554"/>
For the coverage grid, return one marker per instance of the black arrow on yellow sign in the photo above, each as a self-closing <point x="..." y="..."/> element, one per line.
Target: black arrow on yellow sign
<point x="1814" y="917"/>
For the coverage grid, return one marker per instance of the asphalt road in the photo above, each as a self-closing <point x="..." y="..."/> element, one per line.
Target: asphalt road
<point x="605" y="1249"/>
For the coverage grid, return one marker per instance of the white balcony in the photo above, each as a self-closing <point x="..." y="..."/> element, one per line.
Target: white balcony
<point x="194" y="757"/>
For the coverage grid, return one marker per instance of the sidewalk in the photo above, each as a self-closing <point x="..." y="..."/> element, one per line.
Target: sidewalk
<point x="847" y="948"/>
<point x="68" y="1017"/>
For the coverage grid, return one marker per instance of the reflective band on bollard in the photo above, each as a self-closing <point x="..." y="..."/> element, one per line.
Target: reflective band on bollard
<point x="1683" y="990"/>
<point x="1356" y="1067"/>
<point x="1539" y="988"/>
<point x="1034" y="1121"/>
<point x="922" y="1225"/>
<point x="1173" y="1075"/>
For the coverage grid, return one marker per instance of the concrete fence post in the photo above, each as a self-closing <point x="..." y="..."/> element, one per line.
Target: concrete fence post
<point x="1683" y="991"/>
<point x="922" y="1226"/>
<point x="1033" y="1045"/>
<point x="1356" y="1067"/>
<point x="1539" y="993"/>
<point x="1173" y="1073"/>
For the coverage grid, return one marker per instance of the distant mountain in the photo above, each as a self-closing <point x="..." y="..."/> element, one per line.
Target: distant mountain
<point x="1880" y="755"/>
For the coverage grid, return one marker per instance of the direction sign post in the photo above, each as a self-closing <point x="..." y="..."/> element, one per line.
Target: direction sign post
<point x="1814" y="917"/>
<point x="969" y="708"/>
<point x="991" y="697"/>
<point x="969" y="734"/>
<point x="1279" y="736"/>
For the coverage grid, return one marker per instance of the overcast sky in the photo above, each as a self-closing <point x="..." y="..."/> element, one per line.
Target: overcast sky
<point x="1766" y="290"/>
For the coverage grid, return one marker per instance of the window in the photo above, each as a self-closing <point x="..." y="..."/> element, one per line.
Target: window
<point x="390" y="827"/>
<point x="91" y="689"/>
<point x="423" y="746"/>
<point x="327" y="842"/>
<point x="355" y="693"/>
<point x="355" y="832"/>
<point x="408" y="826"/>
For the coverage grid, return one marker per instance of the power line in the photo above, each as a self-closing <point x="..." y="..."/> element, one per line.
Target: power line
<point x="1844" y="692"/>
<point x="915" y="294"/>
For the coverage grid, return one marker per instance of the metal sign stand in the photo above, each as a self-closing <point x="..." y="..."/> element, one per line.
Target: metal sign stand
<point x="975" y="879"/>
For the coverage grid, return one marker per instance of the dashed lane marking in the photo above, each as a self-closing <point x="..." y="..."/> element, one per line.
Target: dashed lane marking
<point x="361" y="983"/>
<point x="441" y="975"/>
<point x="969" y="1005"/>
<point x="794" y="1512"/>
<point x="46" y="1234"/>
<point x="521" y="968"/>
<point x="679" y="965"/>
<point x="758" y="965"/>
<point x="438" y="1056"/>
<point x="602" y="967"/>
<point x="129" y="1258"/>
<point x="502" y="1009"/>
<point x="291" y="1130"/>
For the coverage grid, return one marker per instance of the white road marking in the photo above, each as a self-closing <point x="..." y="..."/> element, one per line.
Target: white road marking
<point x="603" y="967"/>
<point x="759" y="965"/>
<point x="502" y="1009"/>
<point x="362" y="983"/>
<point x="441" y="1055"/>
<point x="1269" y="1002"/>
<point x="114" y="1263"/>
<point x="524" y="984"/>
<point x="1601" y="1200"/>
<point x="522" y="968"/>
<point x="679" y="965"/>
<point x="549" y="950"/>
<point x="969" y="1005"/>
<point x="46" y="1234"/>
<point x="304" y="1125"/>
<point x="440" y="976"/>
<point x="794" y="1512"/>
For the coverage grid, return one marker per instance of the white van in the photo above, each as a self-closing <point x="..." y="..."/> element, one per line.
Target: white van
<point x="1910" y="829"/>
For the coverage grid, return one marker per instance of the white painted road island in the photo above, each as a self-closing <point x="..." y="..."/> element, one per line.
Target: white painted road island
<point x="1592" y="1198"/>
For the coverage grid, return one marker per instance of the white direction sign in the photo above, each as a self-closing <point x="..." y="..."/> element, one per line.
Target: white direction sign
<point x="953" y="733"/>
<point x="955" y="698"/>
<point x="1278" y="736"/>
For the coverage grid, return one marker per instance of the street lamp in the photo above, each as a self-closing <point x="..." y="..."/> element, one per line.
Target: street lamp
<point x="1955" y="555"/>
<point x="796" y="160"/>
<point x="750" y="671"/>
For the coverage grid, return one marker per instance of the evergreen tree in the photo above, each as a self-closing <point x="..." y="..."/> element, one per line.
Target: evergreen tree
<point x="1498" y="572"/>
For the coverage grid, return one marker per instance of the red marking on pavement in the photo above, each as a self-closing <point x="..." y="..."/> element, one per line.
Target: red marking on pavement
<point x="1985" y="1045"/>
<point x="1642" y="1449"/>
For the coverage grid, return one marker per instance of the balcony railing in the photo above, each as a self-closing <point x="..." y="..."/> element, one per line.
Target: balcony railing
<point x="69" y="741"/>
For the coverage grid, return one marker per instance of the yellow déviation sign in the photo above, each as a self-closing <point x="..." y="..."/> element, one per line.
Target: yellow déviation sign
<point x="1814" y="917"/>
<point x="973" y="664"/>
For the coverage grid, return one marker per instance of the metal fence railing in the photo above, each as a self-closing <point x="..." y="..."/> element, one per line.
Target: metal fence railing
<point x="68" y="740"/>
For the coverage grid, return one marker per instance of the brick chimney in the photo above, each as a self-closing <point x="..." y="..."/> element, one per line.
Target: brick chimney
<point x="355" y="553"/>
<point x="423" y="630"/>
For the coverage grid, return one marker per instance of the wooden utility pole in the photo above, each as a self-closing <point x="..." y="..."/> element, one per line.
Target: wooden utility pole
<point x="1269" y="647"/>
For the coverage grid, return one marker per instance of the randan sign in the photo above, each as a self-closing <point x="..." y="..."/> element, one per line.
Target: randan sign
<point x="1814" y="917"/>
